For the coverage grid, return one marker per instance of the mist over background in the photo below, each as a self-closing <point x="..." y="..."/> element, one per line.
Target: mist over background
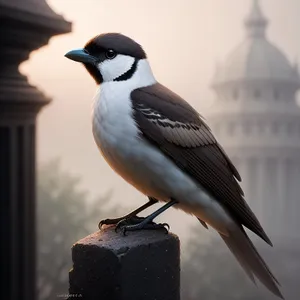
<point x="184" y="41"/>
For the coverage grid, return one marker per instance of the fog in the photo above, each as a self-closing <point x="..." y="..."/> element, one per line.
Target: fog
<point x="183" y="40"/>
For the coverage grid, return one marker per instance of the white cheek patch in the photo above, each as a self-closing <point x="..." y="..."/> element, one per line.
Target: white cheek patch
<point x="110" y="69"/>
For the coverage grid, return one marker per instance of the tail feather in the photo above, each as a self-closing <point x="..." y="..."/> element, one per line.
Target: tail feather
<point x="239" y="258"/>
<point x="250" y="260"/>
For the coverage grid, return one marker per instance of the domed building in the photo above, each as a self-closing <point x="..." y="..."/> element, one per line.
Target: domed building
<point x="256" y="118"/>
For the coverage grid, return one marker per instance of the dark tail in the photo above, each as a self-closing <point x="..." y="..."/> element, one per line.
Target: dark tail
<point x="253" y="264"/>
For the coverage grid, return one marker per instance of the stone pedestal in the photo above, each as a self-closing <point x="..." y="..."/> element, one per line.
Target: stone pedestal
<point x="144" y="265"/>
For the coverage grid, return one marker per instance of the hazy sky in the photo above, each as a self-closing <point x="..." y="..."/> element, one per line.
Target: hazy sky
<point x="183" y="40"/>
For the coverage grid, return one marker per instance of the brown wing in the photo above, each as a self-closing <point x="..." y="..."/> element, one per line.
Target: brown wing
<point x="180" y="132"/>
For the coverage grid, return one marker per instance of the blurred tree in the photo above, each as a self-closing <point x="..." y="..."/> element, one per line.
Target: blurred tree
<point x="64" y="216"/>
<point x="210" y="272"/>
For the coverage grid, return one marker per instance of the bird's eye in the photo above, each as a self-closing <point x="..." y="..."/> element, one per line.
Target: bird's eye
<point x="110" y="54"/>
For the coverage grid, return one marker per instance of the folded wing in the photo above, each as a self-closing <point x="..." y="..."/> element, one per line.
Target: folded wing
<point x="170" y="123"/>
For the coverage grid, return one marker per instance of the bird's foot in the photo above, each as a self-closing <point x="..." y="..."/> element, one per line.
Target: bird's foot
<point x="139" y="223"/>
<point x="130" y="220"/>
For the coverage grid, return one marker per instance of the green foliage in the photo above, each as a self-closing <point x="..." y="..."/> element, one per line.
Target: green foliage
<point x="64" y="215"/>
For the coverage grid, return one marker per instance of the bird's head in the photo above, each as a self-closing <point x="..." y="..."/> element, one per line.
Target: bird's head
<point x="109" y="57"/>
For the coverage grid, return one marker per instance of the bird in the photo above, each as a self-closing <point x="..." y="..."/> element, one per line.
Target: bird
<point x="157" y="142"/>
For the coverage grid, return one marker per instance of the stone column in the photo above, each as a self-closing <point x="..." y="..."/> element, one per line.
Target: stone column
<point x="25" y="25"/>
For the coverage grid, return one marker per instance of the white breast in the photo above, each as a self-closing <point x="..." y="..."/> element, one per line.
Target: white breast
<point x="138" y="162"/>
<point x="114" y="129"/>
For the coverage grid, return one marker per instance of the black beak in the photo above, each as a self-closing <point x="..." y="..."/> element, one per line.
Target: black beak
<point x="81" y="55"/>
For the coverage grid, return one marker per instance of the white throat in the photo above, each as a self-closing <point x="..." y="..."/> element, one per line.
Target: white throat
<point x="112" y="69"/>
<point x="142" y="77"/>
<point x="112" y="111"/>
<point x="114" y="128"/>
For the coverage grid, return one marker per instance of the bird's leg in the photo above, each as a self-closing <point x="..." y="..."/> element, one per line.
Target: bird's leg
<point x="132" y="216"/>
<point x="147" y="223"/>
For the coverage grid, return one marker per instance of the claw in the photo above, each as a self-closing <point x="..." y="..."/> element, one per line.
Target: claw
<point x="166" y="227"/>
<point x="119" y="225"/>
<point x="124" y="229"/>
<point x="101" y="223"/>
<point x="108" y="222"/>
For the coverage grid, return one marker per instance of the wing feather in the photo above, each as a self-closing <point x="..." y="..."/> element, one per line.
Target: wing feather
<point x="180" y="132"/>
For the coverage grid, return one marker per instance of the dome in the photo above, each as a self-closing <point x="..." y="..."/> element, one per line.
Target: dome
<point x="256" y="58"/>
